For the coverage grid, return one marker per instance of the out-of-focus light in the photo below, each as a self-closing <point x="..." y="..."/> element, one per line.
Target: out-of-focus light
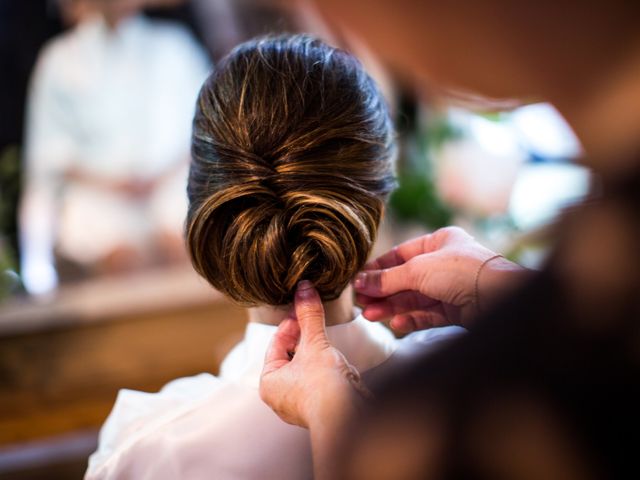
<point x="542" y="190"/>
<point x="543" y="131"/>
<point x="495" y="138"/>
<point x="475" y="173"/>
<point x="39" y="278"/>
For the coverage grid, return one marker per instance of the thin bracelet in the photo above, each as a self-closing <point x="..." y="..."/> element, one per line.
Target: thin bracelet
<point x="476" y="281"/>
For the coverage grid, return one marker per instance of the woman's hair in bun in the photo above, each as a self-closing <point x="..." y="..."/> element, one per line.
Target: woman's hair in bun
<point x="291" y="164"/>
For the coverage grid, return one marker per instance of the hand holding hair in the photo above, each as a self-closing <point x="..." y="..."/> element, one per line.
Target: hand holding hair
<point x="300" y="387"/>
<point x="315" y="387"/>
<point x="444" y="278"/>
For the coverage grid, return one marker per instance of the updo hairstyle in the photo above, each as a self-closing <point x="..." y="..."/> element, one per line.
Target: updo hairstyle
<point x="291" y="165"/>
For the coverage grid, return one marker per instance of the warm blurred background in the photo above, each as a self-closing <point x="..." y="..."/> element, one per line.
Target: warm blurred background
<point x="96" y="292"/>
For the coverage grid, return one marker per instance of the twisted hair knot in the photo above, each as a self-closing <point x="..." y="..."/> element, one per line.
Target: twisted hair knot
<point x="291" y="164"/>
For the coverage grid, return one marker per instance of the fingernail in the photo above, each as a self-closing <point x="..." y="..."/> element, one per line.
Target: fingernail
<point x="305" y="289"/>
<point x="361" y="280"/>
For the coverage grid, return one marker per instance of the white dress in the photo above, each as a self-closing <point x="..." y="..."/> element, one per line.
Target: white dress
<point x="208" y="427"/>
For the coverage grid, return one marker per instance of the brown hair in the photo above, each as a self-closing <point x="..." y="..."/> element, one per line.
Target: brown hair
<point x="291" y="164"/>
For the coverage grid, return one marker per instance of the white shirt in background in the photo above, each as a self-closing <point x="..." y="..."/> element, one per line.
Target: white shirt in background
<point x="115" y="103"/>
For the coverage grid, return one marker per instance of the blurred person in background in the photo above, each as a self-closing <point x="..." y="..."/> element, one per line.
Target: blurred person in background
<point x="545" y="384"/>
<point x="293" y="152"/>
<point x="107" y="141"/>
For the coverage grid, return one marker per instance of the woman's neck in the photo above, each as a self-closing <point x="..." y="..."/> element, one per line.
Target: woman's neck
<point x="340" y="310"/>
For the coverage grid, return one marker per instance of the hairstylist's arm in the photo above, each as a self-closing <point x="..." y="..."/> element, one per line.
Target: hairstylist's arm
<point x="444" y="278"/>
<point x="316" y="388"/>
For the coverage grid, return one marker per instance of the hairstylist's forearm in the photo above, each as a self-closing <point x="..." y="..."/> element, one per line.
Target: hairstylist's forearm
<point x="328" y="431"/>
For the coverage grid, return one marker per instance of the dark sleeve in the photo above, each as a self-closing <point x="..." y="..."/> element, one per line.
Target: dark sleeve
<point x="530" y="353"/>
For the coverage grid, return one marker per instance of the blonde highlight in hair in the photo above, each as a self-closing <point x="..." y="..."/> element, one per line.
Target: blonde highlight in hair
<point x="291" y="164"/>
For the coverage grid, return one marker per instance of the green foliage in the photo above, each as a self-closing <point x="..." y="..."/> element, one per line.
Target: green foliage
<point x="9" y="191"/>
<point x="9" y="280"/>
<point x="416" y="198"/>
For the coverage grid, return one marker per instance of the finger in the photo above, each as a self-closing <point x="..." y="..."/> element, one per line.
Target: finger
<point x="401" y="253"/>
<point x="395" y="304"/>
<point x="364" y="300"/>
<point x="382" y="283"/>
<point x="390" y="259"/>
<point x="284" y="341"/>
<point x="417" y="246"/>
<point x="419" y="320"/>
<point x="310" y="313"/>
<point x="403" y="323"/>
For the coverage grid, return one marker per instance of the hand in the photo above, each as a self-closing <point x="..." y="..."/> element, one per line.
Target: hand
<point x="315" y="384"/>
<point x="431" y="281"/>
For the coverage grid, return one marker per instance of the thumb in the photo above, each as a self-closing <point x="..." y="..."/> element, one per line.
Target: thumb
<point x="385" y="282"/>
<point x="310" y="313"/>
